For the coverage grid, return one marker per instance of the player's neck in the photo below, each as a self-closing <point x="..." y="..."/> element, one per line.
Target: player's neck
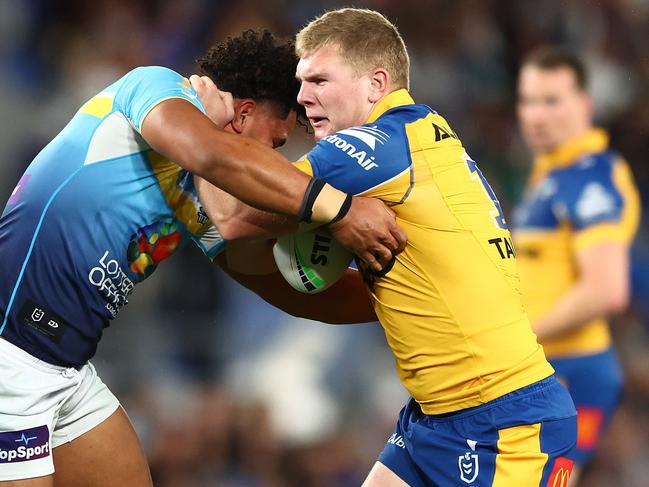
<point x="569" y="138"/>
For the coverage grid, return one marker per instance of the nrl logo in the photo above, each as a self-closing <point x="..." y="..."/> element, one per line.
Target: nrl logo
<point x="468" y="464"/>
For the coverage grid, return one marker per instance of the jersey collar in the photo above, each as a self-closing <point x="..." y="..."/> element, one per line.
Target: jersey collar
<point x="392" y="100"/>
<point x="595" y="140"/>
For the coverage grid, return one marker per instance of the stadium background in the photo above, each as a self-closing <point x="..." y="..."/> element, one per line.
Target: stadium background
<point x="223" y="389"/>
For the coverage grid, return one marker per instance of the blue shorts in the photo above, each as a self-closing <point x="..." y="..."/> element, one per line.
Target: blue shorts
<point x="525" y="438"/>
<point x="595" y="383"/>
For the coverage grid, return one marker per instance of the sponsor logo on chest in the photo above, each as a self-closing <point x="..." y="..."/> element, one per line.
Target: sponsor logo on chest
<point x="362" y="152"/>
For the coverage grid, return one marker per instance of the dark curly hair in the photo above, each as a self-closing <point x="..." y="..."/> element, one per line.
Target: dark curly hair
<point x="256" y="64"/>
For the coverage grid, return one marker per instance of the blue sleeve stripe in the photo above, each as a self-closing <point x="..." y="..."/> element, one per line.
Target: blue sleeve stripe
<point x="212" y="252"/>
<point x="31" y="246"/>
<point x="209" y="250"/>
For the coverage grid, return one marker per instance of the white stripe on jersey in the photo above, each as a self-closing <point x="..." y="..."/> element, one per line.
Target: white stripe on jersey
<point x="115" y="137"/>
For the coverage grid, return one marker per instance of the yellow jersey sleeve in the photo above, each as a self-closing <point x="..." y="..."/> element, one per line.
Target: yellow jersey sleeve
<point x="621" y="223"/>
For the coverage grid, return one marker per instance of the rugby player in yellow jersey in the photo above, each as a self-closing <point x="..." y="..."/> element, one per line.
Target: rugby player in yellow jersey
<point x="486" y="409"/>
<point x="572" y="233"/>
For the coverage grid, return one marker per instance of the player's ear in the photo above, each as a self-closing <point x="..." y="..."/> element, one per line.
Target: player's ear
<point x="244" y="110"/>
<point x="379" y="84"/>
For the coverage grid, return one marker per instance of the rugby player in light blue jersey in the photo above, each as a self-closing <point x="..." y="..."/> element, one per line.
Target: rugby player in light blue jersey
<point x="97" y="211"/>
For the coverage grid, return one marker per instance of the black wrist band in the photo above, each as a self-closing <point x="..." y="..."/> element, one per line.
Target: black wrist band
<point x="344" y="209"/>
<point x="310" y="195"/>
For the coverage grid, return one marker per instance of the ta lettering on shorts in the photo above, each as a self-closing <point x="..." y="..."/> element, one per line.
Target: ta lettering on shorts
<point x="42" y="320"/>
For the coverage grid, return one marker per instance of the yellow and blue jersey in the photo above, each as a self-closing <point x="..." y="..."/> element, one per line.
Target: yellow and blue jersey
<point x="94" y="214"/>
<point x="580" y="195"/>
<point x="451" y="305"/>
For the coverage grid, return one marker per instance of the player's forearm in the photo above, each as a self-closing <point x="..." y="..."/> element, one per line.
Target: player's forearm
<point x="236" y="220"/>
<point x="346" y="302"/>
<point x="239" y="165"/>
<point x="257" y="225"/>
<point x="253" y="173"/>
<point x="248" y="257"/>
<point x="582" y="304"/>
<point x="601" y="290"/>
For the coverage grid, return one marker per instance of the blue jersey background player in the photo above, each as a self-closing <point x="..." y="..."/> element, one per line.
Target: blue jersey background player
<point x="98" y="210"/>
<point x="573" y="231"/>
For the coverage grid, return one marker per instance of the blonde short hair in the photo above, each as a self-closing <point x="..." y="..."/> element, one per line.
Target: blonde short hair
<point x="366" y="39"/>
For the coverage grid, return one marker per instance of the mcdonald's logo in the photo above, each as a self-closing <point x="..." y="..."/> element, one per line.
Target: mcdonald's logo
<point x="561" y="478"/>
<point x="560" y="473"/>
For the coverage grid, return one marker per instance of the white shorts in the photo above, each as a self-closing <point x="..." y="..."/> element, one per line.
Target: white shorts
<point x="43" y="406"/>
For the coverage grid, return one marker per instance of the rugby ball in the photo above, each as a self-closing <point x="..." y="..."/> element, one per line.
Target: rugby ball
<point x="311" y="261"/>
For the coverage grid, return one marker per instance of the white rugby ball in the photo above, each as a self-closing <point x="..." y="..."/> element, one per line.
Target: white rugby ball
<point x="311" y="261"/>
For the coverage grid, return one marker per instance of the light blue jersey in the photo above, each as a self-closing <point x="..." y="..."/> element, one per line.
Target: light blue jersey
<point x="94" y="214"/>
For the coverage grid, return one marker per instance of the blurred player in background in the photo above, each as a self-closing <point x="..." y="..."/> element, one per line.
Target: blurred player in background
<point x="572" y="234"/>
<point x="97" y="211"/>
<point x="486" y="409"/>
